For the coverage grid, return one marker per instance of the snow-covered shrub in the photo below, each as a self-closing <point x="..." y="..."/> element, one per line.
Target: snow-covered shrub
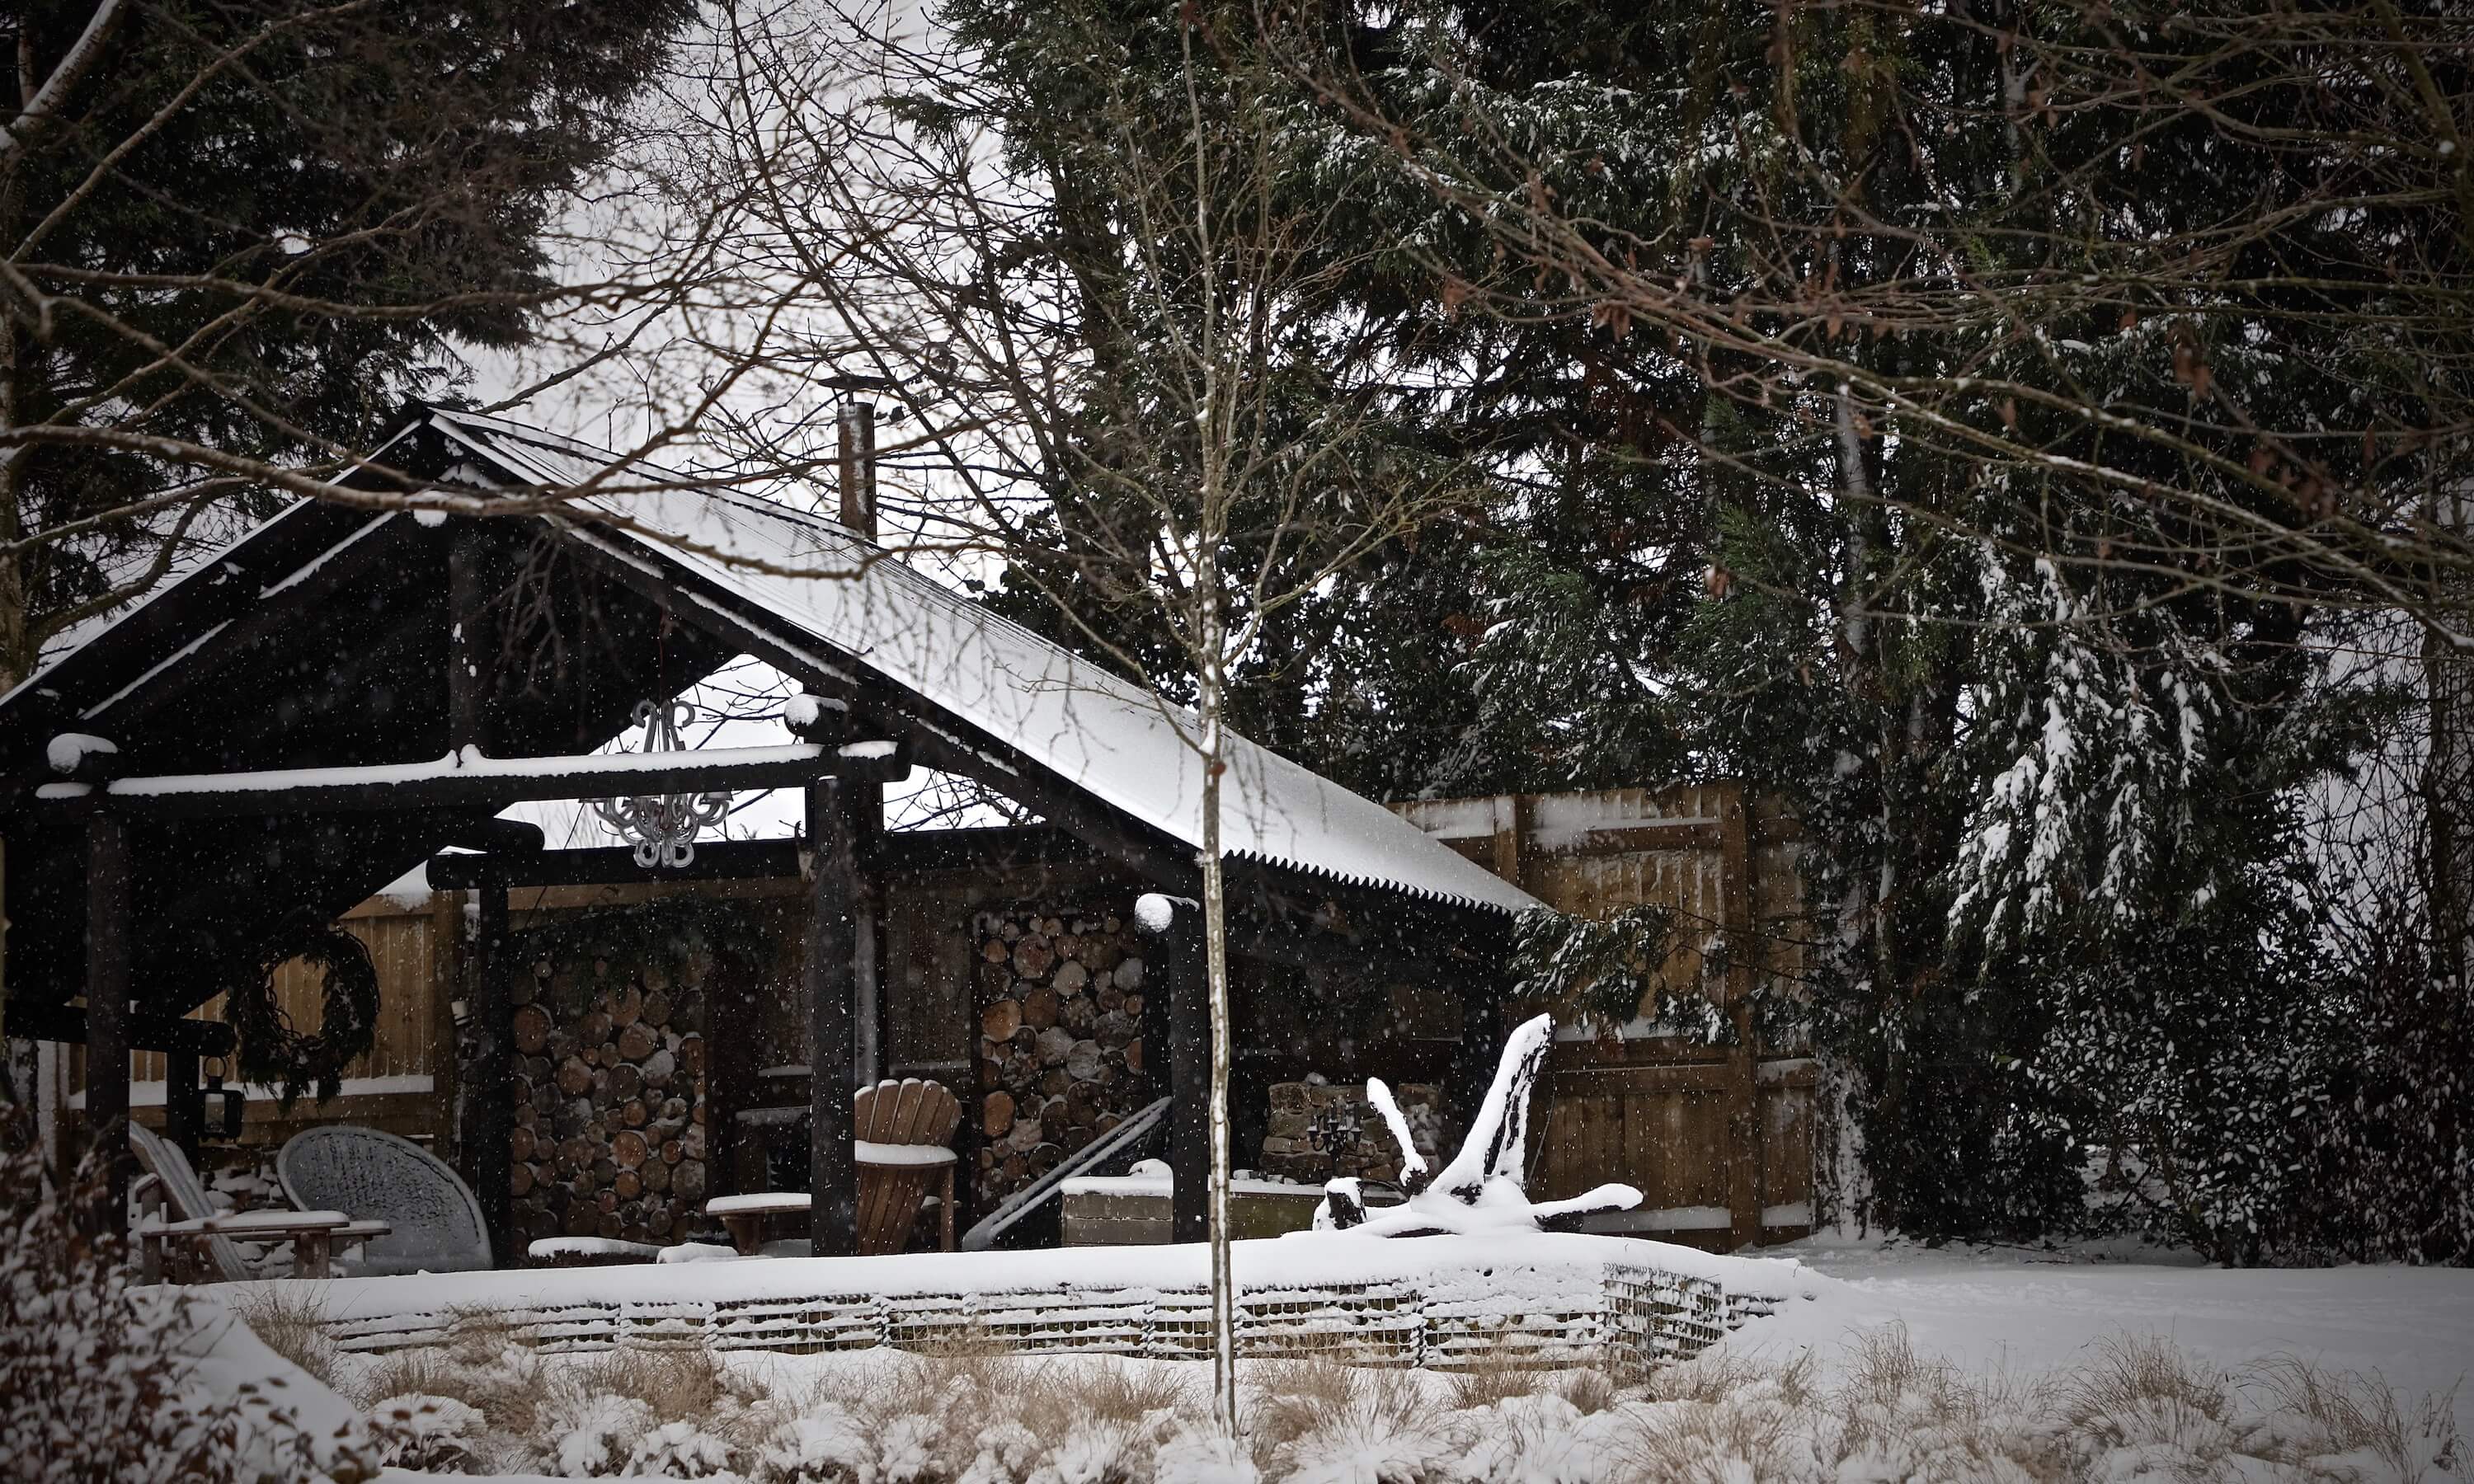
<point x="1195" y="1453"/>
<point x="2199" y="1063"/>
<point x="593" y="1432"/>
<point x="981" y="1419"/>
<point x="480" y="1368"/>
<point x="101" y="1378"/>
<point x="673" y="1412"/>
<point x="824" y="1443"/>
<point x="1879" y="1414"/>
<point x="426" y="1434"/>
<point x="681" y="1450"/>
<point x="1897" y="1415"/>
<point x="1716" y="1419"/>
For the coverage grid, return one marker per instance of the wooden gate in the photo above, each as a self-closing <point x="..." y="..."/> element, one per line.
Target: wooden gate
<point x="1718" y="1137"/>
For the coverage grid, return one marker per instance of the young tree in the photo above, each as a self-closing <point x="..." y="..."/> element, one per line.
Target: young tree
<point x="1134" y="395"/>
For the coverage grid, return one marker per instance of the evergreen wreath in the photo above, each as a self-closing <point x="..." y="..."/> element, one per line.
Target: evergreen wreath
<point x="270" y="1051"/>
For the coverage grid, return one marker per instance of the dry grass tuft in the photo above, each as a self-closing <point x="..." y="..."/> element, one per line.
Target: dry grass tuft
<point x="2356" y="1414"/>
<point x="483" y="1363"/>
<point x="687" y="1384"/>
<point x="1588" y="1389"/>
<point x="291" y="1323"/>
<point x="1053" y="1398"/>
<point x="986" y="1413"/>
<point x="1895" y="1403"/>
<point x="1304" y="1413"/>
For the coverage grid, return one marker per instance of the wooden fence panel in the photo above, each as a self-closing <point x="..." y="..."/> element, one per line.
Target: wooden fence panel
<point x="1718" y="1138"/>
<point x="404" y="1082"/>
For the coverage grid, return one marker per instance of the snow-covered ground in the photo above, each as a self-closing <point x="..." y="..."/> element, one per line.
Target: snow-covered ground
<point x="1893" y="1362"/>
<point x="2023" y="1310"/>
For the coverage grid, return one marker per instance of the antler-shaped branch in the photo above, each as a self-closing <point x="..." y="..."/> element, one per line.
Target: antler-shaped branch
<point x="1482" y="1189"/>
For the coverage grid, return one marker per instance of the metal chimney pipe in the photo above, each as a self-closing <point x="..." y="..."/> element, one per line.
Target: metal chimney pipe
<point x="856" y="422"/>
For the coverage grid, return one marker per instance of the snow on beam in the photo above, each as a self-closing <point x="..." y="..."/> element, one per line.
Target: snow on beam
<point x="468" y="780"/>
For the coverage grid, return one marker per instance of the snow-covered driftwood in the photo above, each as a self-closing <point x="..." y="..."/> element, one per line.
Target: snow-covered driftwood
<point x="1484" y="1188"/>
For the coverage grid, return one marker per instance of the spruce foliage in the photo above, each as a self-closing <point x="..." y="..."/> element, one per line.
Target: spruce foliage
<point x="258" y="229"/>
<point x="2062" y="910"/>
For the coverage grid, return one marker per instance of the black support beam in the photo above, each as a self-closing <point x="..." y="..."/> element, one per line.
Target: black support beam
<point x="715" y="860"/>
<point x="184" y="1109"/>
<point x="143" y="1032"/>
<point x="1182" y="983"/>
<point x="994" y="847"/>
<point x="470" y="653"/>
<point x="109" y="869"/>
<point x="489" y="1085"/>
<point x="831" y="985"/>
<point x="489" y="783"/>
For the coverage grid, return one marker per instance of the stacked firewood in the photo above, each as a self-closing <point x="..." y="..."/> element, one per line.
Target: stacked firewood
<point x="610" y="1108"/>
<point x="1319" y="1130"/>
<point x="1061" y="1054"/>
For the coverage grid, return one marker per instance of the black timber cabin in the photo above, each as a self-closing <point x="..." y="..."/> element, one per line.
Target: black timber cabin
<point x="344" y="693"/>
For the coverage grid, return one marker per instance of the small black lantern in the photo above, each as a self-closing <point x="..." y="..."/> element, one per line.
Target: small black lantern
<point x="235" y="1100"/>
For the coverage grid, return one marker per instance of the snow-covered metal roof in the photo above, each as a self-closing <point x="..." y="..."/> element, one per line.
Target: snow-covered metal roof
<point x="1093" y="729"/>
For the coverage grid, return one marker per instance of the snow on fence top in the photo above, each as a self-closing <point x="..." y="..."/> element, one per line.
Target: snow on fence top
<point x="1099" y="732"/>
<point x="1437" y="1302"/>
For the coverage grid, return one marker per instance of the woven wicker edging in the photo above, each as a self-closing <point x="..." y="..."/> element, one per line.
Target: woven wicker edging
<point x="1629" y="1319"/>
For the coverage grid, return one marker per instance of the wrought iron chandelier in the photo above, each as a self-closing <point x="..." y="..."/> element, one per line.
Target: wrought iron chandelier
<point x="663" y="826"/>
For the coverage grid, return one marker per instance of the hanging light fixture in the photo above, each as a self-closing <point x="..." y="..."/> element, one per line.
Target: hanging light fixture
<point x="663" y="826"/>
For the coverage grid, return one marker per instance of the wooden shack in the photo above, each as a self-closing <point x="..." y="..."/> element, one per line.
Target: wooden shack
<point x="352" y="689"/>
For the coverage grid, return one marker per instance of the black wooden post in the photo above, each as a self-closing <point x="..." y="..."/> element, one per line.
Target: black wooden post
<point x="1178" y="977"/>
<point x="185" y="1108"/>
<point x="489" y="1086"/>
<point x="830" y="982"/>
<point x="490" y="1082"/>
<point x="107" y="979"/>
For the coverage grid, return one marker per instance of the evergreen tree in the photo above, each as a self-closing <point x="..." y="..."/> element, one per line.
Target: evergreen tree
<point x="1562" y="433"/>
<point x="2033" y="722"/>
<point x="1950" y="504"/>
<point x="241" y="236"/>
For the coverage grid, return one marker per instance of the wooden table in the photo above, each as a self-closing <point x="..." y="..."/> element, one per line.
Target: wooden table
<point x="744" y="1215"/>
<point x="313" y="1234"/>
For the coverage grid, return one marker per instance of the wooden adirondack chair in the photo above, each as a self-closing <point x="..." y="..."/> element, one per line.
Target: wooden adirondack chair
<point x="905" y="1137"/>
<point x="178" y="1215"/>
